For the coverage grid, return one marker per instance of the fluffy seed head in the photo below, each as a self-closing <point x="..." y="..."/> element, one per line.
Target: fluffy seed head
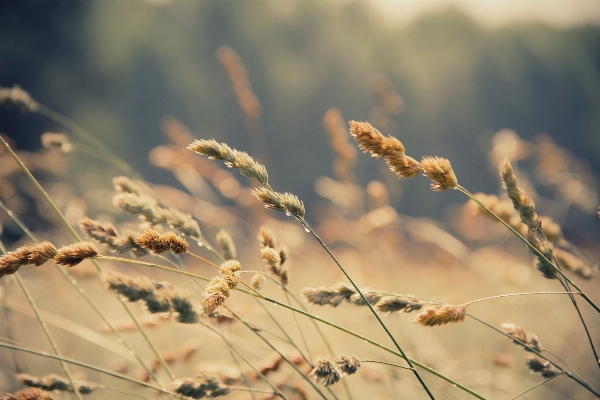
<point x="125" y="185"/>
<point x="369" y="139"/>
<point x="144" y="206"/>
<point x="30" y="394"/>
<point x="157" y="243"/>
<point x="521" y="202"/>
<point x="230" y="266"/>
<point x="519" y="334"/>
<point x="440" y="172"/>
<point x="72" y="255"/>
<point x="215" y="294"/>
<point x="440" y="315"/>
<point x="270" y="256"/>
<point x="182" y="222"/>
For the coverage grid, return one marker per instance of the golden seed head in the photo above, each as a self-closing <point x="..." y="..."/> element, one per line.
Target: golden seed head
<point x="521" y="202"/>
<point x="32" y="393"/>
<point x="211" y="149"/>
<point x="182" y="222"/>
<point x="215" y="294"/>
<point x="232" y="278"/>
<point x="230" y="266"/>
<point x="440" y="315"/>
<point x="144" y="206"/>
<point x="157" y="243"/>
<point x="392" y="304"/>
<point x="270" y="256"/>
<point x="404" y="166"/>
<point x="39" y="253"/>
<point x="72" y="255"/>
<point x="369" y="139"/>
<point x="440" y="172"/>
<point x="284" y="202"/>
<point x="13" y="260"/>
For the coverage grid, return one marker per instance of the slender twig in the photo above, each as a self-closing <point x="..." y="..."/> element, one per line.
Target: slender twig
<point x="384" y="363"/>
<point x="539" y="384"/>
<point x="514" y="294"/>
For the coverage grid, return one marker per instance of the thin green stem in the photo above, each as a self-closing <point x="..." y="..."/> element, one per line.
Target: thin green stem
<point x="514" y="294"/>
<point x="539" y="384"/>
<point x="48" y="335"/>
<point x="384" y="363"/>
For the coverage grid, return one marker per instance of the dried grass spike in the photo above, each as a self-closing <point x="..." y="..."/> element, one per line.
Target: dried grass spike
<point x="392" y="304"/>
<point x="440" y="171"/>
<point x="72" y="255"/>
<point x="13" y="260"/>
<point x="39" y="253"/>
<point x="215" y="294"/>
<point x="32" y="394"/>
<point x="544" y="367"/>
<point x="440" y="315"/>
<point x="182" y="304"/>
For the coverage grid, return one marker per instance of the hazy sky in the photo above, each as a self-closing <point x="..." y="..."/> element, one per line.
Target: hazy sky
<point x="498" y="12"/>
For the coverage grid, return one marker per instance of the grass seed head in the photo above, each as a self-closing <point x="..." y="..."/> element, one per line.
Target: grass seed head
<point x="325" y="373"/>
<point x="39" y="253"/>
<point x="440" y="171"/>
<point x="58" y="142"/>
<point x="257" y="281"/>
<point x="440" y="315"/>
<point x="348" y="365"/>
<point x="72" y="255"/>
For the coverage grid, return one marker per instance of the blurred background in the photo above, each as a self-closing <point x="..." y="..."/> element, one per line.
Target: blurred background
<point x="462" y="71"/>
<point x="472" y="81"/>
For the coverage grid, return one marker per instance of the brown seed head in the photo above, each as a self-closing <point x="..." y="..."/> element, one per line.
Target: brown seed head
<point x="392" y="304"/>
<point x="157" y="243"/>
<point x="182" y="222"/>
<point x="39" y="253"/>
<point x="144" y="206"/>
<point x="440" y="172"/>
<point x="440" y="315"/>
<point x="544" y="367"/>
<point x="521" y="202"/>
<point x="13" y="260"/>
<point x="72" y="255"/>
<point x="325" y="373"/>
<point x="348" y="365"/>
<point x="30" y="394"/>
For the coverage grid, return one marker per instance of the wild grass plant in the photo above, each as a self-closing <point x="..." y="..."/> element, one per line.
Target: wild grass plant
<point x="157" y="291"/>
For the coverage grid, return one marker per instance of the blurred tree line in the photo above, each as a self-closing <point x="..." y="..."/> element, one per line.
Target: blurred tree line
<point x="118" y="67"/>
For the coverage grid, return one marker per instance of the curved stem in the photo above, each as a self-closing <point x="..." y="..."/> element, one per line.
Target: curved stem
<point x="384" y="363"/>
<point x="514" y="294"/>
<point x="539" y="384"/>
